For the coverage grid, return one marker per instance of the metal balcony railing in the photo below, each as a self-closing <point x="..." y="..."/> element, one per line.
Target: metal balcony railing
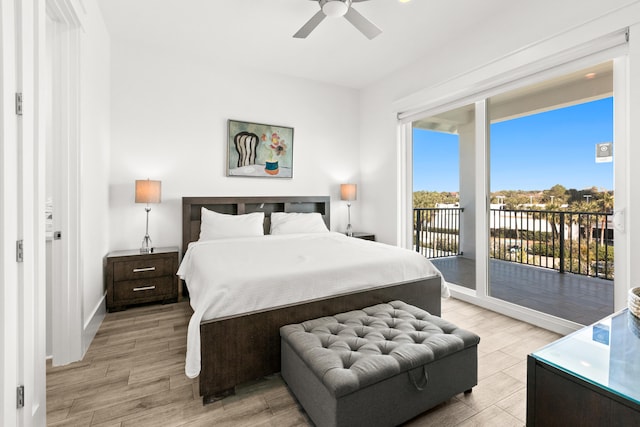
<point x="573" y="242"/>
<point x="437" y="231"/>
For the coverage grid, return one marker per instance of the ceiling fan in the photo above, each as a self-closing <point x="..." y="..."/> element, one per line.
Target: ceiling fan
<point x="336" y="8"/>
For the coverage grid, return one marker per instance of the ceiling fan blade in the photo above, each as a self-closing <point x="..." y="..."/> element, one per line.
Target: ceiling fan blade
<point x="365" y="26"/>
<point x="310" y="25"/>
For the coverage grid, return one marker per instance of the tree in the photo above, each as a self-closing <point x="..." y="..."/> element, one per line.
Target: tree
<point x="606" y="206"/>
<point x="518" y="200"/>
<point x="556" y="195"/>
<point x="429" y="199"/>
<point x="585" y="211"/>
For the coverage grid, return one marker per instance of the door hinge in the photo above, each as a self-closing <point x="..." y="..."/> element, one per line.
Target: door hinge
<point x="57" y="235"/>
<point x="20" y="397"/>
<point x="19" y="251"/>
<point x="18" y="103"/>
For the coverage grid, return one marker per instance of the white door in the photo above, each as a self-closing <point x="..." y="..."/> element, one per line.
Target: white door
<point x="22" y="355"/>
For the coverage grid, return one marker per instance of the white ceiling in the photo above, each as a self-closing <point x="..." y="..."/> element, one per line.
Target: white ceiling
<point x="258" y="33"/>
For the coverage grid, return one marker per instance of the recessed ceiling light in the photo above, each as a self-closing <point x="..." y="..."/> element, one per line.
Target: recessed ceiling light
<point x="590" y="75"/>
<point x="404" y="1"/>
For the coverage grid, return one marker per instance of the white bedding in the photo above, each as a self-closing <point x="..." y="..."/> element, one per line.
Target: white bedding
<point x="234" y="276"/>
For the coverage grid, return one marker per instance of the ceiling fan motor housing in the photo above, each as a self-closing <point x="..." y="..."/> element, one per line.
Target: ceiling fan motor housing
<point x="339" y="8"/>
<point x="335" y="8"/>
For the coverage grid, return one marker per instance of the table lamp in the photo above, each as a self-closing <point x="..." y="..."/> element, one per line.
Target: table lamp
<point x="348" y="192"/>
<point x="147" y="191"/>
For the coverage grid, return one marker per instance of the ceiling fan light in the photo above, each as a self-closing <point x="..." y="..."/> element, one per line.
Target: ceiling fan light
<point x="334" y="8"/>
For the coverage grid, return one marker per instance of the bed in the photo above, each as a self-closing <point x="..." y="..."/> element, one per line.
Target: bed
<point x="237" y="345"/>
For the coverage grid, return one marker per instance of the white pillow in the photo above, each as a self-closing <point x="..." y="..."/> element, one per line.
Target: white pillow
<point x="294" y="222"/>
<point x="214" y="225"/>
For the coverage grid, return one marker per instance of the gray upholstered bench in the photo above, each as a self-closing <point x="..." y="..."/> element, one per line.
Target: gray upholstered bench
<point x="379" y="366"/>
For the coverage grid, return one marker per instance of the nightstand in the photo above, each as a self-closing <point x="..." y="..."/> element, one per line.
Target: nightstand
<point x="364" y="236"/>
<point x="134" y="278"/>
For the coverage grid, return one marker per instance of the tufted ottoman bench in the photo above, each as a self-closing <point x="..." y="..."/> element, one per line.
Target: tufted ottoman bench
<point x="379" y="366"/>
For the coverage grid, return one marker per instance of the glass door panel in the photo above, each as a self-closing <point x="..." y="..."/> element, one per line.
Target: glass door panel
<point x="551" y="195"/>
<point x="444" y="194"/>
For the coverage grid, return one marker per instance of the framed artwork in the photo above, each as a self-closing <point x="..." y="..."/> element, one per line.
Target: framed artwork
<point x="259" y="150"/>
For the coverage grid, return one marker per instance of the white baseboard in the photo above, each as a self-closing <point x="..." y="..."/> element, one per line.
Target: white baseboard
<point x="93" y="324"/>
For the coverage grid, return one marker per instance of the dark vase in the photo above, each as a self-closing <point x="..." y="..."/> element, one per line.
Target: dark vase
<point x="271" y="167"/>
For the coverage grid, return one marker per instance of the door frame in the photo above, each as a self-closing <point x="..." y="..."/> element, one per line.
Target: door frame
<point x="9" y="333"/>
<point x="22" y="192"/>
<point x="22" y="326"/>
<point x="67" y="302"/>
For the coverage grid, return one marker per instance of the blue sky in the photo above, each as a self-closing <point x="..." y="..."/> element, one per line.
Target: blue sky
<point x="529" y="153"/>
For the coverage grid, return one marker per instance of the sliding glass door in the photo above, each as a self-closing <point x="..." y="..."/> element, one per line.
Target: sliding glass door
<point x="550" y="228"/>
<point x="514" y="194"/>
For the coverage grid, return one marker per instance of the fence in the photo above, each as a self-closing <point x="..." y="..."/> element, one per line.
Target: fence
<point x="437" y="231"/>
<point x="573" y="242"/>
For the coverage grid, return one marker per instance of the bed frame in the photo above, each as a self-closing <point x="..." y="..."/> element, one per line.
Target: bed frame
<point x="246" y="347"/>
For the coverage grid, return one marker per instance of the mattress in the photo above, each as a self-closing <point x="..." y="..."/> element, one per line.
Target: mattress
<point x="229" y="277"/>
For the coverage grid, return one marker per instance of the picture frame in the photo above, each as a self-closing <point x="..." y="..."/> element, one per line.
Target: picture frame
<point x="259" y="150"/>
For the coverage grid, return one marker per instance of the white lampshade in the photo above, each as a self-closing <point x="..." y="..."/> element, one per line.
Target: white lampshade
<point x="348" y="191"/>
<point x="148" y="191"/>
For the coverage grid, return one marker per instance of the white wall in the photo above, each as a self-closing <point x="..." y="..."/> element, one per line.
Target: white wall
<point x="169" y="122"/>
<point x="94" y="140"/>
<point x="518" y="27"/>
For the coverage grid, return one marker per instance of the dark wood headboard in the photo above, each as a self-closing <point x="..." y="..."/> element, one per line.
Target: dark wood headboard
<point x="242" y="205"/>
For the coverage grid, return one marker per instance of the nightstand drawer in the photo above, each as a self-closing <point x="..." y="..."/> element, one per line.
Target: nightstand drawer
<point x="142" y="269"/>
<point x="132" y="291"/>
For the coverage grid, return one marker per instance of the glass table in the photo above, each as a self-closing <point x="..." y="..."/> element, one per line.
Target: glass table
<point x="590" y="377"/>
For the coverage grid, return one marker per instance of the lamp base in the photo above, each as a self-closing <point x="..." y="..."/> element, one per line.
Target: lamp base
<point x="349" y="231"/>
<point x="146" y="245"/>
<point x="146" y="241"/>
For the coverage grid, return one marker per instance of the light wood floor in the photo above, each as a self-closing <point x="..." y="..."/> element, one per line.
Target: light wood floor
<point x="133" y="375"/>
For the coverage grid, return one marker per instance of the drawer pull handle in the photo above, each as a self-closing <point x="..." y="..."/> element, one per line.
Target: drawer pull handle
<point x="144" y="288"/>
<point x="140" y="270"/>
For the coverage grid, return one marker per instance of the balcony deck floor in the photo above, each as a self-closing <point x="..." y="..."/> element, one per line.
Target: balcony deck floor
<point x="580" y="299"/>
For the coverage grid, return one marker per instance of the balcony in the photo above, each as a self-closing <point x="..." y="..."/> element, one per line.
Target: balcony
<point x="556" y="262"/>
